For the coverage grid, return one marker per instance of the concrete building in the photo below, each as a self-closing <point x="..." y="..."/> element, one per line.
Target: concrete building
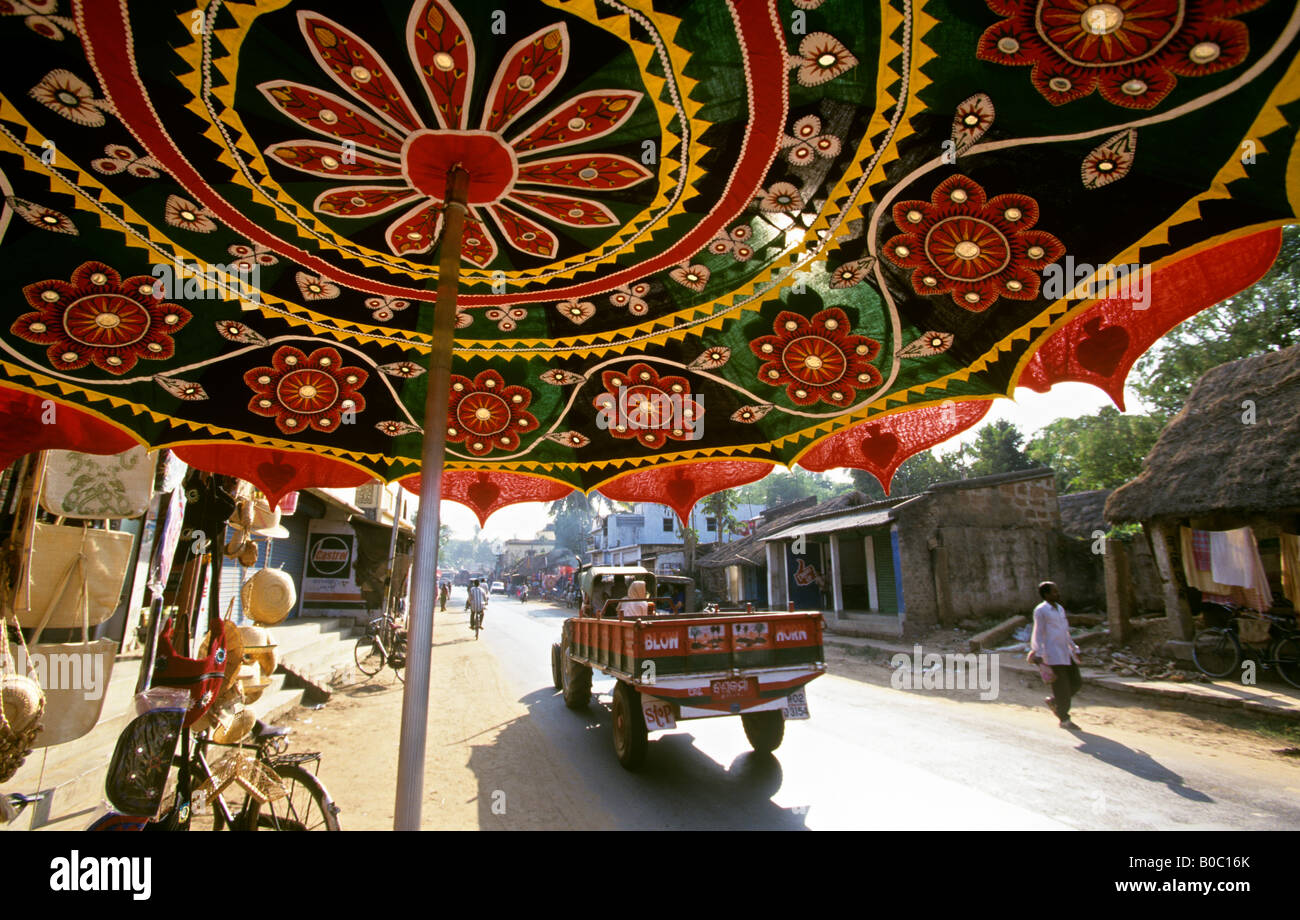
<point x="650" y="535"/>
<point x="513" y="551"/>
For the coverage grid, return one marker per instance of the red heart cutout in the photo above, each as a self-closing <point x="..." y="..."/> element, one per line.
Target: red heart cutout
<point x="1102" y="349"/>
<point x="879" y="447"/>
<point x="483" y="494"/>
<point x="681" y="493"/>
<point x="275" y="476"/>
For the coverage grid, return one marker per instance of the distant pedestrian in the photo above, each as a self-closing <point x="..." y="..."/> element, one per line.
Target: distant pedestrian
<point x="476" y="603"/>
<point x="1055" y="653"/>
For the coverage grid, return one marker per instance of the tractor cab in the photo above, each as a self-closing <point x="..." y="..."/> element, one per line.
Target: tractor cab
<point x="605" y="587"/>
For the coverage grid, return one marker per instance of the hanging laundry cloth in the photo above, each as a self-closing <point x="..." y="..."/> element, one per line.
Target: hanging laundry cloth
<point x="1291" y="568"/>
<point x="1230" y="556"/>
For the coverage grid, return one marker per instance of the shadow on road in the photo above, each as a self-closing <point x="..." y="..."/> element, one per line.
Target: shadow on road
<point x="679" y="788"/>
<point x="1140" y="764"/>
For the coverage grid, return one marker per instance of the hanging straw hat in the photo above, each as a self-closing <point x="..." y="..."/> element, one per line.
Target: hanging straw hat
<point x="233" y="726"/>
<point x="260" y="648"/>
<point x="22" y="698"/>
<point x="22" y="703"/>
<point x="269" y="596"/>
<point x="253" y="682"/>
<point x="266" y="522"/>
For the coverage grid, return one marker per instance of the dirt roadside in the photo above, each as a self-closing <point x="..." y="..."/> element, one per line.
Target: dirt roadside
<point x="481" y="743"/>
<point x="1206" y="726"/>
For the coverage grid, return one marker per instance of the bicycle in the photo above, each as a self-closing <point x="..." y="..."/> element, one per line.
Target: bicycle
<point x="206" y="797"/>
<point x="383" y="644"/>
<point x="1217" y="650"/>
<point x="17" y="801"/>
<point x="476" y="622"/>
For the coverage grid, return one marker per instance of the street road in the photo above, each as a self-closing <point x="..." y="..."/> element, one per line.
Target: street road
<point x="875" y="757"/>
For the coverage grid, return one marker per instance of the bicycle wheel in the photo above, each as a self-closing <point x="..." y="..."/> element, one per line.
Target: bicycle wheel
<point x="1216" y="652"/>
<point x="398" y="660"/>
<point x="308" y="806"/>
<point x="1287" y="655"/>
<point x="370" y="655"/>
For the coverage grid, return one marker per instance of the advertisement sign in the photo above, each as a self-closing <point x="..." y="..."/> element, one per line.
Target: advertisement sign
<point x="368" y="495"/>
<point x="327" y="579"/>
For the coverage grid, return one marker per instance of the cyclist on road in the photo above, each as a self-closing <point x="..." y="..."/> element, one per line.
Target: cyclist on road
<point x="476" y="603"/>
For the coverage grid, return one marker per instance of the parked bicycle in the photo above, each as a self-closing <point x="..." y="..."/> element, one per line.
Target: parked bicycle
<point x="1218" y="650"/>
<point x="17" y="801"/>
<point x="383" y="644"/>
<point x="217" y="796"/>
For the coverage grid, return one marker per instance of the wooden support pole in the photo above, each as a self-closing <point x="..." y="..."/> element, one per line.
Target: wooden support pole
<point x="415" y="698"/>
<point x="1176" y="608"/>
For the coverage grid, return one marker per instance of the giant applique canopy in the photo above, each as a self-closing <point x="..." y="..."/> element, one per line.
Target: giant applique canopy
<point x="703" y="237"/>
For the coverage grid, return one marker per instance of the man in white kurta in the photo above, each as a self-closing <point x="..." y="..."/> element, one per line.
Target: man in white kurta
<point x="1051" y="646"/>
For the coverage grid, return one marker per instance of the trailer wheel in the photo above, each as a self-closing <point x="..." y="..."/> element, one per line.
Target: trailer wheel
<point x="556" y="677"/>
<point x="765" y="730"/>
<point x="630" y="741"/>
<point x="576" y="680"/>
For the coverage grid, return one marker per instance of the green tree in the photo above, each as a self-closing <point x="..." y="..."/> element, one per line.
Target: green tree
<point x="997" y="450"/>
<point x="917" y="474"/>
<point x="1264" y="317"/>
<point x="781" y="487"/>
<point x="690" y="540"/>
<point x="1101" y="451"/>
<point x="571" y="518"/>
<point x="444" y="535"/>
<point x="721" y="506"/>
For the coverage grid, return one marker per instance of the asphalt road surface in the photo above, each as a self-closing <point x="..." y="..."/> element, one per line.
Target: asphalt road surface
<point x="872" y="757"/>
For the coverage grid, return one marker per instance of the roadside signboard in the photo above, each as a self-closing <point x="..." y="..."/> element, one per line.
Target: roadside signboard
<point x="328" y="582"/>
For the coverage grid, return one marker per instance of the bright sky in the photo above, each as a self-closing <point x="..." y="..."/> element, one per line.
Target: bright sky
<point x="1030" y="411"/>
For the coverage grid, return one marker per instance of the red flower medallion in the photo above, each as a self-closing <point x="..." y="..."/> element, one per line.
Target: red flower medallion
<point x="638" y="403"/>
<point x="1131" y="49"/>
<point x="974" y="248"/>
<point x="397" y="145"/>
<point x="99" y="318"/>
<point x="817" y="360"/>
<point x="486" y="414"/>
<point x="302" y="391"/>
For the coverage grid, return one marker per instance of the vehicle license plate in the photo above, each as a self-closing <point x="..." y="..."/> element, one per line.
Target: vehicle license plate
<point x="658" y="715"/>
<point x="796" y="705"/>
<point x="734" y="688"/>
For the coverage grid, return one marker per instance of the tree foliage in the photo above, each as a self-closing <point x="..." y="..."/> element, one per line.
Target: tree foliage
<point x="782" y="487"/>
<point x="917" y="474"/>
<point x="721" y="506"/>
<point x="572" y="518"/>
<point x="1101" y="451"/>
<point x="473" y="553"/>
<point x="1264" y="317"/>
<point x="996" y="449"/>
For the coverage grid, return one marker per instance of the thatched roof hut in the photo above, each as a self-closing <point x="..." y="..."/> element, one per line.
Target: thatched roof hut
<point x="1234" y="449"/>
<point x="1082" y="513"/>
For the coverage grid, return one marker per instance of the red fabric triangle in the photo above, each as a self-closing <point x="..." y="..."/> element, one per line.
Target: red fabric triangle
<point x="275" y="472"/>
<point x="31" y="423"/>
<point x="484" y="493"/>
<point x="1101" y="345"/>
<point x="881" y="446"/>
<point x="681" y="486"/>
